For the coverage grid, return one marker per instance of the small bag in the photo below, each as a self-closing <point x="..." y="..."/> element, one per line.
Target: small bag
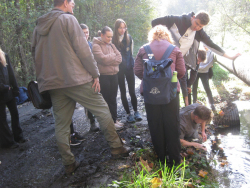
<point x="39" y="100"/>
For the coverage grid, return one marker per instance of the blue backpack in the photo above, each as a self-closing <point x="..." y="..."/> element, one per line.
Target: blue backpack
<point x="157" y="85"/>
<point x="23" y="95"/>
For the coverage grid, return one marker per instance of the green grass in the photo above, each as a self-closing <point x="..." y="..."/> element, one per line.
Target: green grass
<point x="220" y="74"/>
<point x="142" y="178"/>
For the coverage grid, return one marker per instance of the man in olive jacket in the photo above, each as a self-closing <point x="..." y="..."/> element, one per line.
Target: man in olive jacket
<point x="65" y="67"/>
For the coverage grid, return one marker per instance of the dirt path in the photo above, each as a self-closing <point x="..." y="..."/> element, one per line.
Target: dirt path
<point x="37" y="163"/>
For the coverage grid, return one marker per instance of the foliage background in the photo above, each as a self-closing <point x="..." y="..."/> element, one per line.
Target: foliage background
<point x="229" y="26"/>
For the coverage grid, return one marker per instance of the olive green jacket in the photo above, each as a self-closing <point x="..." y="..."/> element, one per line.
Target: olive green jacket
<point x="61" y="52"/>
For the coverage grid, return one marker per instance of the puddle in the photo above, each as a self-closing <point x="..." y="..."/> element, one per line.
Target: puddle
<point x="233" y="170"/>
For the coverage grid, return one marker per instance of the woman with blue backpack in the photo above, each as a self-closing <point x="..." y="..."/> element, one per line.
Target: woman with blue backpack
<point x="155" y="64"/>
<point x="124" y="43"/>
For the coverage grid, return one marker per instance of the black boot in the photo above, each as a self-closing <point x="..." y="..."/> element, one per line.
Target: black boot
<point x="94" y="127"/>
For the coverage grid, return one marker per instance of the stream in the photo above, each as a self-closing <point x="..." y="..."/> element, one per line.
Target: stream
<point x="232" y="170"/>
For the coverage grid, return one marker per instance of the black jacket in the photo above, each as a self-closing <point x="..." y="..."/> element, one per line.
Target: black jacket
<point x="183" y="23"/>
<point x="127" y="58"/>
<point x="7" y="80"/>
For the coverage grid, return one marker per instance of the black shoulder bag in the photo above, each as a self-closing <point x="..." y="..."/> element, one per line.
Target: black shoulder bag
<point x="39" y="100"/>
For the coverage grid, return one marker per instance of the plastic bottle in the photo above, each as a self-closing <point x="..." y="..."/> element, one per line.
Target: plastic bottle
<point x="174" y="77"/>
<point x="173" y="85"/>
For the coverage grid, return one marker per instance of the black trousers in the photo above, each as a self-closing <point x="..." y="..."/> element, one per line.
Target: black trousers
<point x="205" y="81"/>
<point x="91" y="118"/>
<point x="109" y="87"/>
<point x="163" y="122"/>
<point x="7" y="138"/>
<point x="130" y="77"/>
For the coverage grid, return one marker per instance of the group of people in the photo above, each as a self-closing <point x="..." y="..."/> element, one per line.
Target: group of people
<point x="113" y="53"/>
<point x="168" y="127"/>
<point x="72" y="69"/>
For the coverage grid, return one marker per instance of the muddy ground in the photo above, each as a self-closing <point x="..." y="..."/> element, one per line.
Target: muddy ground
<point x="37" y="163"/>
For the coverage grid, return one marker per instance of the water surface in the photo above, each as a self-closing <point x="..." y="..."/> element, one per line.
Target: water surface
<point x="236" y="147"/>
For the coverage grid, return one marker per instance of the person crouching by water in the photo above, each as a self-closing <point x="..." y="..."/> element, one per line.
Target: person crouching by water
<point x="8" y="91"/>
<point x="108" y="59"/>
<point x="163" y="119"/>
<point x="191" y="117"/>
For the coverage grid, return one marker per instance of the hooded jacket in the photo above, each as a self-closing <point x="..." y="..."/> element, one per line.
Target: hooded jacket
<point x="178" y="26"/>
<point x="204" y="66"/>
<point x="61" y="52"/>
<point x="107" y="56"/>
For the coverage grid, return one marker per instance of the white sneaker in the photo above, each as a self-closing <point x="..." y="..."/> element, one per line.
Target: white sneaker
<point x="119" y="123"/>
<point x="118" y="127"/>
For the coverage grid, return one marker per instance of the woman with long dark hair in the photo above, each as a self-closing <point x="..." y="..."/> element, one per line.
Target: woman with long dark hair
<point x="108" y="59"/>
<point x="124" y="43"/>
<point x="8" y="91"/>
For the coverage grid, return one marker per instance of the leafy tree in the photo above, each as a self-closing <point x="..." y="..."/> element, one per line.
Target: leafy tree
<point x="18" y="17"/>
<point x="230" y="23"/>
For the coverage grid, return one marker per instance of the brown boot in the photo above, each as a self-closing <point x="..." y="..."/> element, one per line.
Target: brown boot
<point x="120" y="152"/>
<point x="69" y="169"/>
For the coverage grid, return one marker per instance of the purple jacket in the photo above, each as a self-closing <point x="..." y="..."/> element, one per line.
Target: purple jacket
<point x="158" y="48"/>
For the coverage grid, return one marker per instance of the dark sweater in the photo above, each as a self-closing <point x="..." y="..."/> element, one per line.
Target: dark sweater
<point x="8" y="84"/>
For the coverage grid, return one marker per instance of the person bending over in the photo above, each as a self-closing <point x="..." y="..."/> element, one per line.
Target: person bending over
<point x="204" y="75"/>
<point x="187" y="32"/>
<point x="191" y="117"/>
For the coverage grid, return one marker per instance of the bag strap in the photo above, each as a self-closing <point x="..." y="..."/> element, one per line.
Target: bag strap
<point x="149" y="51"/>
<point x="165" y="55"/>
<point x="168" y="52"/>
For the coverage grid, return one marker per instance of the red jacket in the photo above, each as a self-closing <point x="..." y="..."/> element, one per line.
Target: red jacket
<point x="158" y="48"/>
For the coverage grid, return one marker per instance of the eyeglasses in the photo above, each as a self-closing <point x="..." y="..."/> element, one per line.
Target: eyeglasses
<point x="123" y="28"/>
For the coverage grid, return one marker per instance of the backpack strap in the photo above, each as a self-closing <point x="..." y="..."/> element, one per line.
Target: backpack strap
<point x="168" y="52"/>
<point x="149" y="52"/>
<point x="165" y="55"/>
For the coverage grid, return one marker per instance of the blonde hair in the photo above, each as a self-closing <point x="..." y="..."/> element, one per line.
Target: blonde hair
<point x="160" y="32"/>
<point x="2" y="58"/>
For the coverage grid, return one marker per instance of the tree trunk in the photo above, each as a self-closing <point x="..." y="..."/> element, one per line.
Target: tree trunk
<point x="21" y="53"/>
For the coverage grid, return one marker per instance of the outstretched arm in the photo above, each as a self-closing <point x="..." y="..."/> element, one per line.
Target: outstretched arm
<point x="231" y="57"/>
<point x="194" y="144"/>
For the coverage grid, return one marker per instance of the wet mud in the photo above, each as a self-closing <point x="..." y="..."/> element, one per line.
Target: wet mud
<point x="37" y="163"/>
